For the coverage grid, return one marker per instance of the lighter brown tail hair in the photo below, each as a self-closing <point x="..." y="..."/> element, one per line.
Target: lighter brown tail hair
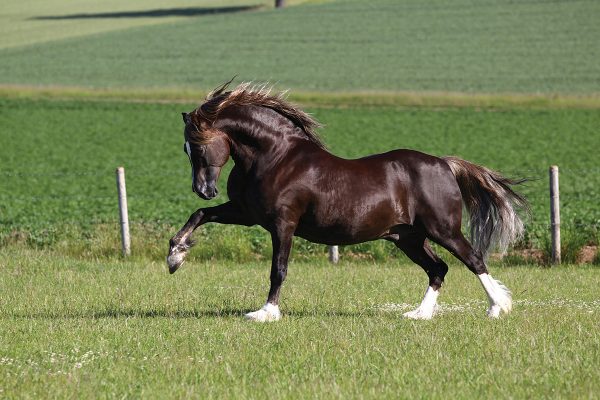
<point x="491" y="203"/>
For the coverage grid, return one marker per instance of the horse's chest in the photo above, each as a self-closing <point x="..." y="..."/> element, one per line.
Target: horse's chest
<point x="252" y="201"/>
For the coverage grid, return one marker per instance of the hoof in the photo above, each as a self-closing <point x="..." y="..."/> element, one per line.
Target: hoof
<point x="419" y="314"/>
<point x="175" y="259"/>
<point x="494" y="311"/>
<point x="178" y="249"/>
<point x="268" y="313"/>
<point x="504" y="306"/>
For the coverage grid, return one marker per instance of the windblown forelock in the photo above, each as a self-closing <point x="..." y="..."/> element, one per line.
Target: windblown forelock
<point x="200" y="130"/>
<point x="204" y="137"/>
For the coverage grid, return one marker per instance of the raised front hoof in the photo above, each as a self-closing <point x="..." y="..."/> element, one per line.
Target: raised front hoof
<point x="269" y="313"/>
<point x="419" y="314"/>
<point x="175" y="260"/>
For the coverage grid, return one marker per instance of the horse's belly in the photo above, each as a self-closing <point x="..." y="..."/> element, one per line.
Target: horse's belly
<point x="333" y="236"/>
<point x="350" y="224"/>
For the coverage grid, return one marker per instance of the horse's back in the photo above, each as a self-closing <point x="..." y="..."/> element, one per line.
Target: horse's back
<point x="424" y="182"/>
<point x="363" y="199"/>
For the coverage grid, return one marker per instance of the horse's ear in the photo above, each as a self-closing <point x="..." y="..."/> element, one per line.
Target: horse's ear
<point x="185" y="117"/>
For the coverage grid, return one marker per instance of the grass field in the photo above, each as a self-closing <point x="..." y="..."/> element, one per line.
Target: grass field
<point x="351" y="45"/>
<point x="80" y="329"/>
<point x="60" y="169"/>
<point x="41" y="21"/>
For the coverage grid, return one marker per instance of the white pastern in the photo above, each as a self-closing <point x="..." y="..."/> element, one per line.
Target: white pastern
<point x="268" y="313"/>
<point x="428" y="306"/>
<point x="498" y="295"/>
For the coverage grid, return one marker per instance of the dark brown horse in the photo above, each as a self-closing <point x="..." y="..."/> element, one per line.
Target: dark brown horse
<point x="287" y="182"/>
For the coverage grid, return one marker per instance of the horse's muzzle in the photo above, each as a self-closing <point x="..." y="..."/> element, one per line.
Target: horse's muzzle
<point x="205" y="192"/>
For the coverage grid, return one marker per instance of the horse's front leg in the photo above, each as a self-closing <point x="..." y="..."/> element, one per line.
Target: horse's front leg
<point x="281" y="238"/>
<point x="180" y="244"/>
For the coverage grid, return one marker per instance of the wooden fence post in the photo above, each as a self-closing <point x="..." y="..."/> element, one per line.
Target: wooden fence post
<point x="124" y="217"/>
<point x="334" y="254"/>
<point x="555" y="214"/>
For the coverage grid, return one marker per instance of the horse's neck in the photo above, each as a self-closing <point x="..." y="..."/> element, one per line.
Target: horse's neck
<point x="258" y="142"/>
<point x="264" y="152"/>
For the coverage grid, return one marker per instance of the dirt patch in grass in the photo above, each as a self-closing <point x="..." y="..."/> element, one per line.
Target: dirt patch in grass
<point x="588" y="254"/>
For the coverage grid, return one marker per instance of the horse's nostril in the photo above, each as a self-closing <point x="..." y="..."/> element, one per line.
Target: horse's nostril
<point x="198" y="188"/>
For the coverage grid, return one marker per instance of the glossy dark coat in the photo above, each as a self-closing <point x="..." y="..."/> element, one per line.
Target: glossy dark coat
<point x="285" y="181"/>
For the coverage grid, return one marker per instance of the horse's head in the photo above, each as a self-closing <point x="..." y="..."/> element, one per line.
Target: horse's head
<point x="208" y="150"/>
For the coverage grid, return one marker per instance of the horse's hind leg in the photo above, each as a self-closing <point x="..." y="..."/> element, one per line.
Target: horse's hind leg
<point x="498" y="294"/>
<point x="419" y="251"/>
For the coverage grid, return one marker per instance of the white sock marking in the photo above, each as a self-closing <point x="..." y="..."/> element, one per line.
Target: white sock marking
<point x="268" y="313"/>
<point x="428" y="306"/>
<point x="498" y="295"/>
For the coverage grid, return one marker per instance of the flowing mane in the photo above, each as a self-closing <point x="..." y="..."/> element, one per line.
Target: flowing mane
<point x="249" y="94"/>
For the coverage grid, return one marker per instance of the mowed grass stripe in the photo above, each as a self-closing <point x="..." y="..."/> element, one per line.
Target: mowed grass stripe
<point x="26" y="23"/>
<point x="72" y="328"/>
<point x="386" y="45"/>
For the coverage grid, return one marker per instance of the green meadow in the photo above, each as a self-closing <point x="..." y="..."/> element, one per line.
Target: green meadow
<point x="470" y="46"/>
<point x="59" y="169"/>
<point x="72" y="328"/>
<point x="35" y="22"/>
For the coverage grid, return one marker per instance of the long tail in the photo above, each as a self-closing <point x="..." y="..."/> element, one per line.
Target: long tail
<point x="491" y="203"/>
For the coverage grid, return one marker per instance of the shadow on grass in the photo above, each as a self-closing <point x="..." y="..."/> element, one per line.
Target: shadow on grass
<point x="159" y="13"/>
<point x="212" y="313"/>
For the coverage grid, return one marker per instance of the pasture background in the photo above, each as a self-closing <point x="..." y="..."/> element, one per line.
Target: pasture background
<point x="511" y="85"/>
<point x="352" y="45"/>
<point x="42" y="21"/>
<point x="70" y="177"/>
<point x="434" y="77"/>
